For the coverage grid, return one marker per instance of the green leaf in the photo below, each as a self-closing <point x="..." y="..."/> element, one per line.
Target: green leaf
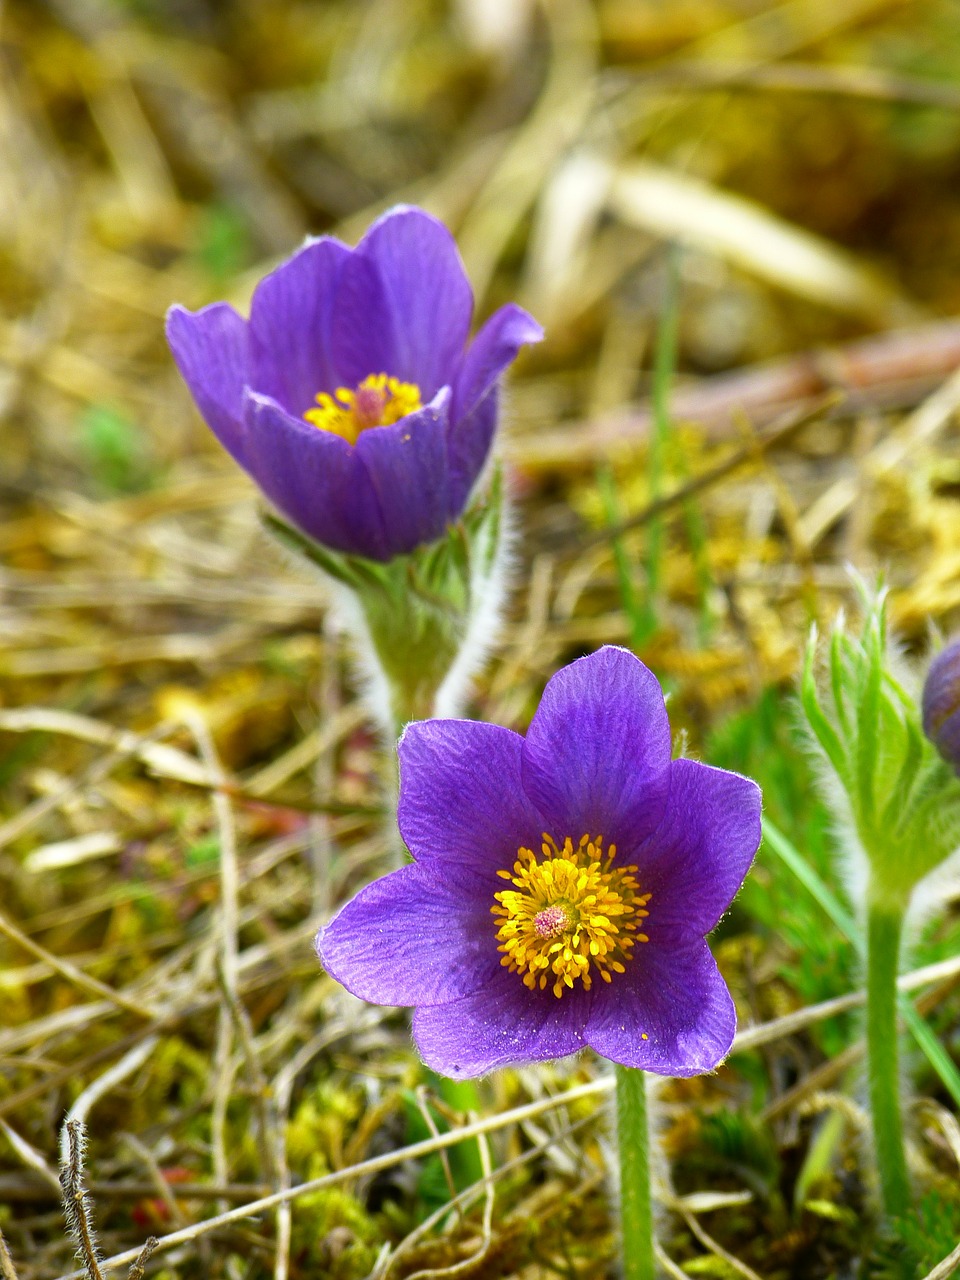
<point x="822" y="729"/>
<point x="805" y="873"/>
<point x="868" y="720"/>
<point x="839" y="676"/>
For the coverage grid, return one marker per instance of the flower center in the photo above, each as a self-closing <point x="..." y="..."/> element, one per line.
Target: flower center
<point x="378" y="401"/>
<point x="570" y="915"/>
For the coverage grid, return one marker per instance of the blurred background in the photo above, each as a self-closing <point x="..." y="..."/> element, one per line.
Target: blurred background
<point x="739" y="223"/>
<point x="778" y="180"/>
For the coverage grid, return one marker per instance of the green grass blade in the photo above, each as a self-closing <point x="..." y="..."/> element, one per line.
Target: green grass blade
<point x="919" y="1028"/>
<point x="640" y="617"/>
<point x="811" y="881"/>
<point x="933" y="1050"/>
<point x="664" y="368"/>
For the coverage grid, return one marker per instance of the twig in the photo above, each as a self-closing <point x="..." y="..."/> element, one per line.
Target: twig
<point x="224" y="1070"/>
<point x="229" y="875"/>
<point x="469" y="1265"/>
<point x="230" y="930"/>
<point x="892" y="370"/>
<point x="228" y="968"/>
<point x="266" y="1118"/>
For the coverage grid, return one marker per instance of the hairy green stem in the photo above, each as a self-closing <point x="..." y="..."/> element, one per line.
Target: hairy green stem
<point x="636" y="1214"/>
<point x="884" y="929"/>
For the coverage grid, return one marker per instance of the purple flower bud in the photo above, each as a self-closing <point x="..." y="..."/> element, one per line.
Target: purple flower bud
<point x="351" y="395"/>
<point x="941" y="703"/>
<point x="562" y="885"/>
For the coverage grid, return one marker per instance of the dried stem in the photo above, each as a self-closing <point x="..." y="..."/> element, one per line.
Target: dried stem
<point x="139" y="1266"/>
<point x="7" y="1270"/>
<point x="76" y="1206"/>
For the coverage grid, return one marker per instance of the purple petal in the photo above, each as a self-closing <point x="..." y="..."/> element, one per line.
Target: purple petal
<point x="290" y="323"/>
<point x="596" y="758"/>
<point x="469" y="446"/>
<point x="473" y="417"/>
<point x="503" y="1025"/>
<point x="495" y="346"/>
<point x="463" y="811"/>
<point x="673" y="993"/>
<point x="315" y="479"/>
<point x="364" y="338"/>
<point x="407" y="465"/>
<point x="405" y="939"/>
<point x="697" y="858"/>
<point x="404" y="303"/>
<point x="211" y="349"/>
<point x="941" y="703"/>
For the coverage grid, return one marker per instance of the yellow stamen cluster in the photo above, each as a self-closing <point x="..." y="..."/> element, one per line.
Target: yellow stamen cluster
<point x="570" y="915"/>
<point x="378" y="401"/>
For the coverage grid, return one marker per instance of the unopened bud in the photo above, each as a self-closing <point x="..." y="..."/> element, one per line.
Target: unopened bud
<point x="941" y="703"/>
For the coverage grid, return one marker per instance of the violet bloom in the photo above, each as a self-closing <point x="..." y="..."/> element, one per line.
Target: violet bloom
<point x="562" y="887"/>
<point x="941" y="703"/>
<point x="351" y="396"/>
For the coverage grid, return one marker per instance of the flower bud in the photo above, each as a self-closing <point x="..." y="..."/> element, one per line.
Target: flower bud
<point x="892" y="765"/>
<point x="941" y="704"/>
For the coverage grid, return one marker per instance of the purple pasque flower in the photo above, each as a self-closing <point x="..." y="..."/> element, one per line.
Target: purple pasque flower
<point x="351" y="396"/>
<point x="562" y="885"/>
<point x="941" y="703"/>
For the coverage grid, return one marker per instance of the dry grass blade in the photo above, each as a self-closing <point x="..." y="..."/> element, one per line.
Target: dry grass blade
<point x="948" y="1267"/>
<point x="803" y="77"/>
<point x="734" y="1263"/>
<point x="918" y="430"/>
<point x="30" y="1156"/>
<point x="74" y="975"/>
<point x="685" y="209"/>
<point x="750" y="1038"/>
